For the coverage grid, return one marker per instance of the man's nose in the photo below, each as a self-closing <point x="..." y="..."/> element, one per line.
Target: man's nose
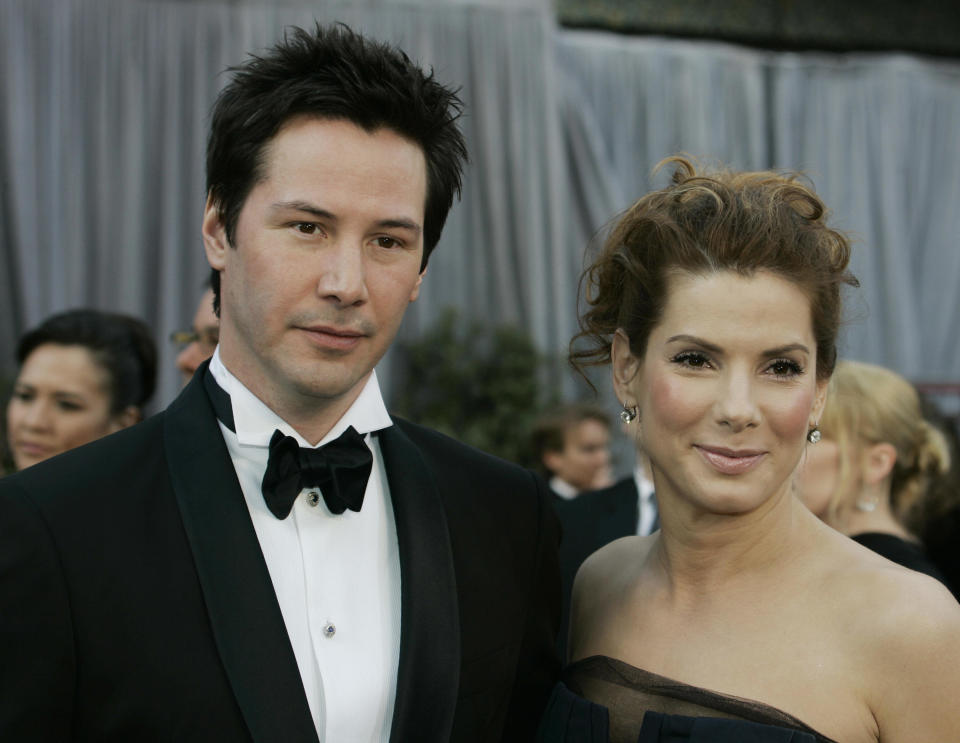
<point x="343" y="273"/>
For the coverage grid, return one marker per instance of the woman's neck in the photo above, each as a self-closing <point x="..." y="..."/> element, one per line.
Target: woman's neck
<point x="702" y="555"/>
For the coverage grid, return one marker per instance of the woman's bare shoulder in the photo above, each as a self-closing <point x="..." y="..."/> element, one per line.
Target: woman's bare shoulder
<point x="601" y="582"/>
<point x="903" y="630"/>
<point x="612" y="562"/>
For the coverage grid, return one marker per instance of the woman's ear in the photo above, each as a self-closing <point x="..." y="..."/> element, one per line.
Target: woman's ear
<point x="819" y="402"/>
<point x="626" y="367"/>
<point x="878" y="461"/>
<point x="126" y="418"/>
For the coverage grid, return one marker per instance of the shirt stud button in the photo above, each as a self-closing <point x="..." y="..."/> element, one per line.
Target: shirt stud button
<point x="329" y="630"/>
<point x="313" y="498"/>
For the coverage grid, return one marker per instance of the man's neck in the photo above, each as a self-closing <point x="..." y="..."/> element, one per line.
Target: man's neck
<point x="309" y="415"/>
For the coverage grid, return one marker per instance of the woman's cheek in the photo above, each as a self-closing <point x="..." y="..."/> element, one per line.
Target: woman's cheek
<point x="791" y="416"/>
<point x="674" y="402"/>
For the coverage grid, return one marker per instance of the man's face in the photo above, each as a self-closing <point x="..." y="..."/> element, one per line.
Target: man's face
<point x="206" y="329"/>
<point x="326" y="259"/>
<point x="584" y="461"/>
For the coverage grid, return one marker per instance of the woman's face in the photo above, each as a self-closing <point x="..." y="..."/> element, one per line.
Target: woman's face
<point x="60" y="400"/>
<point x="818" y="475"/>
<point x="726" y="389"/>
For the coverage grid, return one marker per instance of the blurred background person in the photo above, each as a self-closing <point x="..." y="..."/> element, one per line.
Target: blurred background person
<point x="874" y="462"/>
<point x="571" y="446"/>
<point x="83" y="374"/>
<point x="198" y="343"/>
<point x="938" y="524"/>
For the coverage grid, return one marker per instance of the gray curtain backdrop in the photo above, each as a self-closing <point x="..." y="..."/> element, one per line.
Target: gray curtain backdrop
<point x="104" y="106"/>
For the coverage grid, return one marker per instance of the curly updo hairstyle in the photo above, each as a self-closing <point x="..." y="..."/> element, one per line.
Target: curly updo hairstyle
<point x="869" y="404"/>
<point x="703" y="222"/>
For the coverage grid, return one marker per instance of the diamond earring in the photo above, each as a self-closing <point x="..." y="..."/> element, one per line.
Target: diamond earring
<point x="814" y="435"/>
<point x="627" y="415"/>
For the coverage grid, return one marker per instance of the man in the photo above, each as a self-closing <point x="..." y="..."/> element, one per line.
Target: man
<point x="572" y="445"/>
<point x="199" y="342"/>
<point x="211" y="575"/>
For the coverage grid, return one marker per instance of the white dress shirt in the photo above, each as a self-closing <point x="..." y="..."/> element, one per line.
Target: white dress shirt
<point x="646" y="503"/>
<point x="336" y="577"/>
<point x="563" y="489"/>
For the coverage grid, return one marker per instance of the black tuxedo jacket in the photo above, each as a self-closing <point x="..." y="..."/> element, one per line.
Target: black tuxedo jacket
<point x="135" y="603"/>
<point x="588" y="522"/>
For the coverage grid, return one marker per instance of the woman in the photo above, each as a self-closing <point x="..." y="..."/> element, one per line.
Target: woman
<point x="717" y="301"/>
<point x="872" y="467"/>
<point x="83" y="374"/>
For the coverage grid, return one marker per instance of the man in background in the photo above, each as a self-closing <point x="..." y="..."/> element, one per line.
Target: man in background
<point x="198" y="344"/>
<point x="571" y="444"/>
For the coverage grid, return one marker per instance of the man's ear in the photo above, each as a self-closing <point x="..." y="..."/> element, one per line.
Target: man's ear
<point x="415" y="292"/>
<point x="215" y="242"/>
<point x="626" y="367"/>
<point x="878" y="461"/>
<point x="552" y="460"/>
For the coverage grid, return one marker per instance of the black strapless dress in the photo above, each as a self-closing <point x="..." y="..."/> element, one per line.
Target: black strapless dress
<point x="604" y="700"/>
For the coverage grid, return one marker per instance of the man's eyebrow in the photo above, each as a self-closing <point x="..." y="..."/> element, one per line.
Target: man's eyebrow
<point x="403" y="224"/>
<point x="303" y="206"/>
<point x="316" y="211"/>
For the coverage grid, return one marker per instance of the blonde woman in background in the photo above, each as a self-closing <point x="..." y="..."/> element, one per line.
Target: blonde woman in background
<point x="871" y="469"/>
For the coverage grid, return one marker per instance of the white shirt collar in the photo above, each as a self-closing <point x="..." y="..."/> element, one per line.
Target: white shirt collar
<point x="644" y="483"/>
<point x="255" y="422"/>
<point x="562" y="488"/>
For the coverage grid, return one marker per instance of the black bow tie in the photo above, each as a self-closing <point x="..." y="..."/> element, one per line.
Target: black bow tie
<point x="339" y="468"/>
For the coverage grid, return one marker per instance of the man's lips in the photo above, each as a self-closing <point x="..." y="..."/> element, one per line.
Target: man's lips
<point x="730" y="461"/>
<point x="340" y="339"/>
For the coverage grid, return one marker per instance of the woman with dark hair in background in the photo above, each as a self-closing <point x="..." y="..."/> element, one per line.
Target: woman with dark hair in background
<point x="83" y="374"/>
<point x="716" y="300"/>
<point x="873" y="467"/>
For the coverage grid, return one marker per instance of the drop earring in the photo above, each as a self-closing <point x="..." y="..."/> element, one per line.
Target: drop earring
<point x="814" y="435"/>
<point x="627" y="415"/>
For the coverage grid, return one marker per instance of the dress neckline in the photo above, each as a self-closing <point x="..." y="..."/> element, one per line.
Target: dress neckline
<point x="633" y="676"/>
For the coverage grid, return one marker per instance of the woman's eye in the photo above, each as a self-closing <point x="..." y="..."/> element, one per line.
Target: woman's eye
<point x="785" y="368"/>
<point x="22" y="395"/>
<point x="306" y="228"/>
<point x="691" y="359"/>
<point x="69" y="406"/>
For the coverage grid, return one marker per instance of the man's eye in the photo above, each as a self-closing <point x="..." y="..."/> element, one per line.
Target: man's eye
<point x="388" y="242"/>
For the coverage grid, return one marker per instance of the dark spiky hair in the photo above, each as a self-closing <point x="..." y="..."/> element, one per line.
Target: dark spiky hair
<point x="332" y="73"/>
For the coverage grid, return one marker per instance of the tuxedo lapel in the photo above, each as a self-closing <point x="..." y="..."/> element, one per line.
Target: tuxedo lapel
<point x="241" y="603"/>
<point x="428" y="676"/>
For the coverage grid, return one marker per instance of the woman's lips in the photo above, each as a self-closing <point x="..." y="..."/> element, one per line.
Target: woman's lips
<point x="730" y="462"/>
<point x="30" y="449"/>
